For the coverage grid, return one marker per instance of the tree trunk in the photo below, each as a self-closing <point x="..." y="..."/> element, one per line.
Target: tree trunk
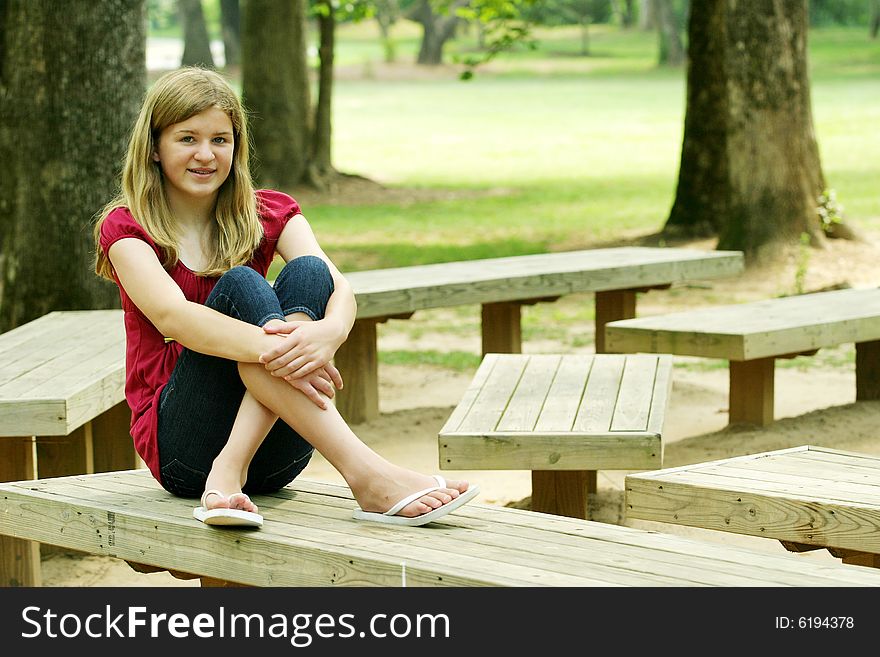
<point x="321" y="167"/>
<point x="437" y="29"/>
<point x="671" y="48"/>
<point x="387" y="13"/>
<point x="71" y="84"/>
<point x="275" y="89"/>
<point x="230" y="20"/>
<point x="196" y="42"/>
<point x="750" y="169"/>
<point x="647" y="15"/>
<point x="875" y="18"/>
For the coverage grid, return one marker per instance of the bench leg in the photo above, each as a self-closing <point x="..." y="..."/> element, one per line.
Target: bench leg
<point x="563" y="492"/>
<point x="501" y="327"/>
<point x="751" y="391"/>
<point x="19" y="560"/>
<point x="358" y="362"/>
<point x="856" y="558"/>
<point x="868" y="370"/>
<point x="612" y="305"/>
<point x="112" y="442"/>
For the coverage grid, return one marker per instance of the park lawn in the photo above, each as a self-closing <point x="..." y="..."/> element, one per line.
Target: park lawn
<point x="545" y="150"/>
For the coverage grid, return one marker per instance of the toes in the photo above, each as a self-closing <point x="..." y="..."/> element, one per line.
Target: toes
<point x="242" y="502"/>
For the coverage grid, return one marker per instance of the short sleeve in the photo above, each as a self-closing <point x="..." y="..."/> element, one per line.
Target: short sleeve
<point x="275" y="209"/>
<point x="120" y="224"/>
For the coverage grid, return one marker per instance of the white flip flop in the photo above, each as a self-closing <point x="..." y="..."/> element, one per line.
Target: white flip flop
<point x="390" y="517"/>
<point x="225" y="517"/>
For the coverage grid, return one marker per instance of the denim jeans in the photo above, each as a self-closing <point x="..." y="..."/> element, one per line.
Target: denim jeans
<point x="198" y="405"/>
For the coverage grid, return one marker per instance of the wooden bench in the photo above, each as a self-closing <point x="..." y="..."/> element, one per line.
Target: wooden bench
<point x="753" y="335"/>
<point x="62" y="409"/>
<point x="310" y="539"/>
<point x="502" y="286"/>
<point x="806" y="497"/>
<point x="563" y="418"/>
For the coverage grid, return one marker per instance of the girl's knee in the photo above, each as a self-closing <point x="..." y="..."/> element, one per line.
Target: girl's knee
<point x="305" y="284"/>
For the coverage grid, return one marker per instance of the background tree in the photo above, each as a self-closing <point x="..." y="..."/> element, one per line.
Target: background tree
<point x="750" y="170"/>
<point x="230" y="26"/>
<point x="196" y="42"/>
<point x="438" y="27"/>
<point x="387" y="14"/>
<point x="275" y="89"/>
<point x="669" y="33"/>
<point x="71" y="83"/>
<point x="875" y="18"/>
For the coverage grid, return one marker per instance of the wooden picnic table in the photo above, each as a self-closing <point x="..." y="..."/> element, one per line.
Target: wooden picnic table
<point x="806" y="497"/>
<point x="751" y="336"/>
<point x="502" y="286"/>
<point x="563" y="417"/>
<point x="62" y="409"/>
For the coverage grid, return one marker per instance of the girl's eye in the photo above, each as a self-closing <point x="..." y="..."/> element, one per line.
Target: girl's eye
<point x="187" y="139"/>
<point x="219" y="140"/>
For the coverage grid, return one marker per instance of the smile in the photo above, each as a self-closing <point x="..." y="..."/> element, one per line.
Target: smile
<point x="202" y="172"/>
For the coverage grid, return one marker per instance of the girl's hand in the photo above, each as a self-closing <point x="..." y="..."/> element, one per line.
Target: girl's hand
<point x="320" y="385"/>
<point x="307" y="347"/>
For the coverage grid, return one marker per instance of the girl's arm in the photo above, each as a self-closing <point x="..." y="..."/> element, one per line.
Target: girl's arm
<point x="316" y="342"/>
<point x="193" y="325"/>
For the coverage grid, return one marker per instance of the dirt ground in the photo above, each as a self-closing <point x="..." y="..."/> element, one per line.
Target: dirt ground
<point x="815" y="404"/>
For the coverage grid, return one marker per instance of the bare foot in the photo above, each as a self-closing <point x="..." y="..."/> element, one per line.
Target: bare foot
<point x="382" y="490"/>
<point x="229" y="481"/>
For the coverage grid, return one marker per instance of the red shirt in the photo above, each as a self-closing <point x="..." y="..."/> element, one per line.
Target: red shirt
<point x="149" y="360"/>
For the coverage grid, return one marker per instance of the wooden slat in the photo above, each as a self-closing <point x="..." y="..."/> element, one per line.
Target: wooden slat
<point x="564" y="398"/>
<point x="470" y="395"/>
<point x="494" y="396"/>
<point x="600" y="395"/>
<point x="636" y="392"/>
<point x="527" y="400"/>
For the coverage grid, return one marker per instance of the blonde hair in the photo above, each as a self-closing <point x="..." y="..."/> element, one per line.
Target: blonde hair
<point x="175" y="97"/>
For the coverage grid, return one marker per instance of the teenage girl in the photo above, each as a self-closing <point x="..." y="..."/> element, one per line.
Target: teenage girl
<point x="229" y="378"/>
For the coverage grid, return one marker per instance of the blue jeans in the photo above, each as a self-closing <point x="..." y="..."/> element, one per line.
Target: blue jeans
<point x="198" y="405"/>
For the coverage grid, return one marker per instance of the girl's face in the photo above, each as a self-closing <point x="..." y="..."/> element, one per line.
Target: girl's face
<point x="196" y="156"/>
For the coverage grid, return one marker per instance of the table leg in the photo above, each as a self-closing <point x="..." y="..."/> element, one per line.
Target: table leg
<point x="563" y="492"/>
<point x="112" y="442"/>
<point x="501" y="327"/>
<point x="19" y="560"/>
<point x="358" y="362"/>
<point x="751" y="391"/>
<point x="612" y="305"/>
<point x="868" y="370"/>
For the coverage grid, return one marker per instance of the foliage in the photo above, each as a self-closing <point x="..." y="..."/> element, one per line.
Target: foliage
<point x="829" y="210"/>
<point x="839" y="12"/>
<point x="569" y="12"/>
<point x="503" y="27"/>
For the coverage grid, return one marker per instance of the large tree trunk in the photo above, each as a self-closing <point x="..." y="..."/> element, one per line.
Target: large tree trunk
<point x="71" y="84"/>
<point x="750" y="169"/>
<point x="196" y="42"/>
<point x="275" y="89"/>
<point x="230" y="20"/>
